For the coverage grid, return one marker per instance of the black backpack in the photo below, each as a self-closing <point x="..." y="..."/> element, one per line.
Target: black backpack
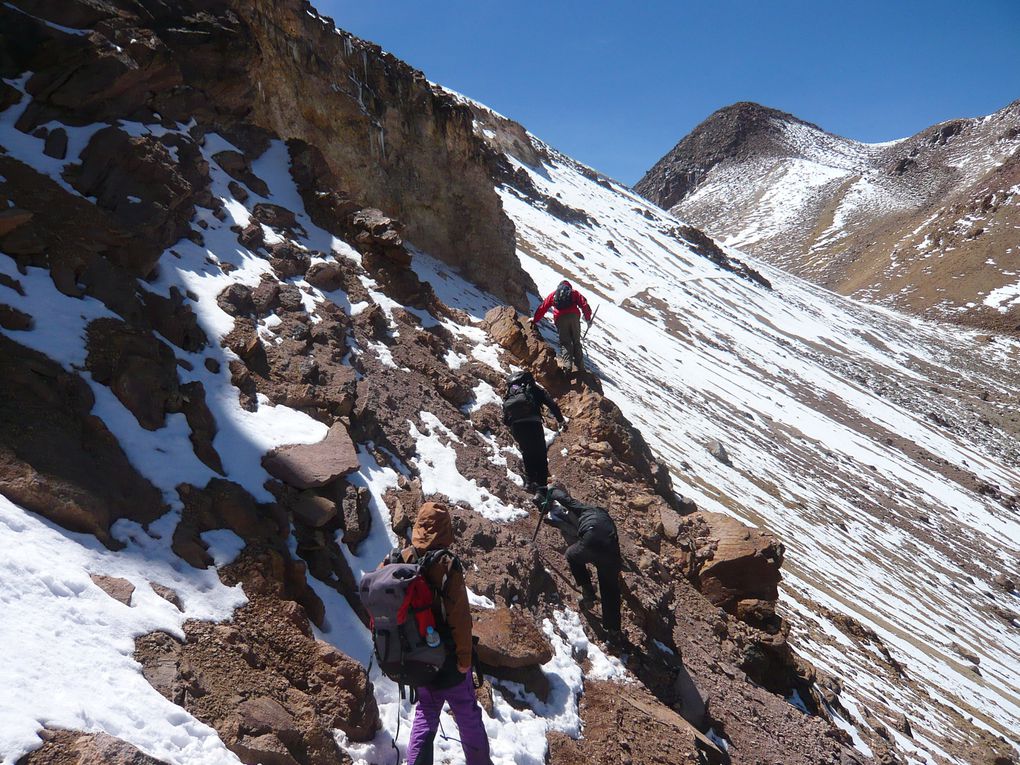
<point x="564" y="296"/>
<point x="520" y="401"/>
<point x="399" y="600"/>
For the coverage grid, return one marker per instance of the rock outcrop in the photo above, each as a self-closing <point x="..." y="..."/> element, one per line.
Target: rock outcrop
<point x="88" y="482"/>
<point x="311" y="466"/>
<point x="377" y="122"/>
<point x="64" y="747"/>
<point x="272" y="691"/>
<point x="736" y="567"/>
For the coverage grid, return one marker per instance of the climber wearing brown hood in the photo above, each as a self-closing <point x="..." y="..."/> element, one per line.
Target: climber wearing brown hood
<point x="453" y="685"/>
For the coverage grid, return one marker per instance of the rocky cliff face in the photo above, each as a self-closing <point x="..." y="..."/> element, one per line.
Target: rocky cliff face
<point x="251" y="71"/>
<point x="922" y="223"/>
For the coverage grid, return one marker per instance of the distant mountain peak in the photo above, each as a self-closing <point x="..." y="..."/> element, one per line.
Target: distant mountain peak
<point x="752" y="114"/>
<point x="868" y="219"/>
<point x="738" y="129"/>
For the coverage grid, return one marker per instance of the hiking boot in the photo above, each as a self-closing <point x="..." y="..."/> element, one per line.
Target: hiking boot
<point x="616" y="638"/>
<point x="587" y="601"/>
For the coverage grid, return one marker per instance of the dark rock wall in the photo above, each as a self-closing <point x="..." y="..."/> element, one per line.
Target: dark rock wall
<point x="263" y="69"/>
<point x="391" y="138"/>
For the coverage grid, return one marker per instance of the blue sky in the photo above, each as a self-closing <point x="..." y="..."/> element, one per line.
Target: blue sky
<point x="616" y="85"/>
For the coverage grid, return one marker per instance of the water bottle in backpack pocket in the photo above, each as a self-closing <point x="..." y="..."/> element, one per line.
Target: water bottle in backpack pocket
<point x="399" y="600"/>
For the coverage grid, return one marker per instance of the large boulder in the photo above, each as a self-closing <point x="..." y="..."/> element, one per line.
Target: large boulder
<point x="68" y="747"/>
<point x="88" y="482"/>
<point x="223" y="504"/>
<point x="116" y="587"/>
<point x="378" y="234"/>
<point x="313" y="509"/>
<point x="141" y="184"/>
<point x="139" y="369"/>
<point x="511" y="647"/>
<point x="309" y="466"/>
<point x="237" y="166"/>
<point x="403" y="503"/>
<point x="508" y="637"/>
<point x="523" y="342"/>
<point x="357" y="514"/>
<point x="11" y="218"/>
<point x="625" y="723"/>
<point x="735" y="566"/>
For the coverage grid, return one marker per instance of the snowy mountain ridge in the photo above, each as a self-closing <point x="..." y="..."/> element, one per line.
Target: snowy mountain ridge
<point x="922" y="223"/>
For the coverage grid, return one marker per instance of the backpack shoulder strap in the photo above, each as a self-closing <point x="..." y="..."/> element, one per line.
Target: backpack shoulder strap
<point x="433" y="557"/>
<point x="396" y="556"/>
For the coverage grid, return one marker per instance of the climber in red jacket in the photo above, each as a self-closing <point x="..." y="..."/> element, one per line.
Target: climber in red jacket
<point x="568" y="304"/>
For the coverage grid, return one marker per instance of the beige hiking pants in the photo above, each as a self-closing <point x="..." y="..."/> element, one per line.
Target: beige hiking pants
<point x="569" y="327"/>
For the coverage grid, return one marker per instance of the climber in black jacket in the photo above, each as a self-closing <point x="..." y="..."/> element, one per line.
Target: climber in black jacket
<point x="522" y="411"/>
<point x="597" y="543"/>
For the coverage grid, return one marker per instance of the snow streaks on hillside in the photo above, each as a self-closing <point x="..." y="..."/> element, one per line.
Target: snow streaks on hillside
<point x="877" y="504"/>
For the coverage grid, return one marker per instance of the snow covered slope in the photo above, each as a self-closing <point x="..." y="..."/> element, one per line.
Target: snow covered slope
<point x="854" y="433"/>
<point x="924" y="223"/>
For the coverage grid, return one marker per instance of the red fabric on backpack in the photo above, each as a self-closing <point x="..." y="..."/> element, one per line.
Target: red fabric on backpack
<point x="418" y="601"/>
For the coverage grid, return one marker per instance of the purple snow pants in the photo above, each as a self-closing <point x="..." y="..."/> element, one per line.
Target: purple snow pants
<point x="465" y="710"/>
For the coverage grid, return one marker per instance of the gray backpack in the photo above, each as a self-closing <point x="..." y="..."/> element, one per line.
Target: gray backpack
<point x="399" y="600"/>
<point x="564" y="296"/>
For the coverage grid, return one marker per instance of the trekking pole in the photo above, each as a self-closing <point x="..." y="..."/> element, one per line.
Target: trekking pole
<point x="541" y="514"/>
<point x="593" y="315"/>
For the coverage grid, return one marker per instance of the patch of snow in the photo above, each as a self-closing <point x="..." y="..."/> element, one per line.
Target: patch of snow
<point x="483" y="394"/>
<point x="50" y="24"/>
<point x="603" y="666"/>
<point x="479" y="601"/>
<point x="1003" y="298"/>
<point x="718" y="740"/>
<point x="436" y="462"/>
<point x="223" y="545"/>
<point x="795" y="700"/>
<point x="69" y="647"/>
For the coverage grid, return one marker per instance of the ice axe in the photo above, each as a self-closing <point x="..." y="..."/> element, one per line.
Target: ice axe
<point x="593" y="315"/>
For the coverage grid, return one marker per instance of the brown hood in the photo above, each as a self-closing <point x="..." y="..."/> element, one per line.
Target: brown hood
<point x="432" y="528"/>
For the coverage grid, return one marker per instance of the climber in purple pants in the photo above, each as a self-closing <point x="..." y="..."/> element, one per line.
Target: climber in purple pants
<point x="466" y="712"/>
<point x="433" y="530"/>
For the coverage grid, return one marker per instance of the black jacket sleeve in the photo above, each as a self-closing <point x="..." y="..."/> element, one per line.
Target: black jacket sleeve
<point x="574" y="506"/>
<point x="590" y="519"/>
<point x="547" y="400"/>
